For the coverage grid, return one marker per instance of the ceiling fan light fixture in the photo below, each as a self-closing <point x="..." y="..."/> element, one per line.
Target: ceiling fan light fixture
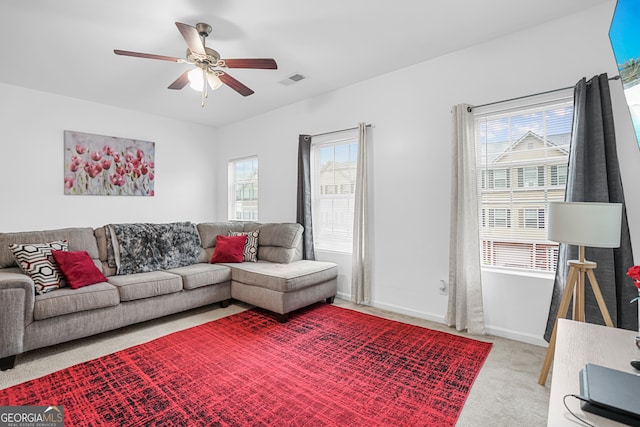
<point x="214" y="80"/>
<point x="196" y="81"/>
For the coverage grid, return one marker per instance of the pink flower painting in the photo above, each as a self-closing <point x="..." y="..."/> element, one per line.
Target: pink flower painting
<point x="108" y="166"/>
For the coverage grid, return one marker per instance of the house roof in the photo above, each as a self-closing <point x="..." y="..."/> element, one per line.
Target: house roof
<point x="559" y="142"/>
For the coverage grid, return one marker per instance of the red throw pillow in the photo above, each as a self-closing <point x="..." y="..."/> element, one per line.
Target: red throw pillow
<point x="78" y="268"/>
<point x="229" y="249"/>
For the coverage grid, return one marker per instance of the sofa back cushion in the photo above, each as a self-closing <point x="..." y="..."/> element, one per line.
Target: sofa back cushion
<point x="79" y="239"/>
<point x="279" y="242"/>
<point x="208" y="232"/>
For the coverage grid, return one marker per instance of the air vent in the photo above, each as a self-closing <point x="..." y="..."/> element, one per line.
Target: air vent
<point x="293" y="78"/>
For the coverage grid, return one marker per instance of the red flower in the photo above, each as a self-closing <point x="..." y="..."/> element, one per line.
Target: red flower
<point x="68" y="182"/>
<point x="116" y="179"/>
<point x="96" y="155"/>
<point x="107" y="150"/>
<point x="75" y="164"/>
<point x="116" y="157"/>
<point x="106" y="163"/>
<point x="634" y="273"/>
<point x="140" y="154"/>
<point x="80" y="149"/>
<point x="151" y="176"/>
<point x="95" y="170"/>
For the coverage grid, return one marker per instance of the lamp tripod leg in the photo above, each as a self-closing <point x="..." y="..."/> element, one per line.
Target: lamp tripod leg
<point x="599" y="298"/>
<point x="562" y="313"/>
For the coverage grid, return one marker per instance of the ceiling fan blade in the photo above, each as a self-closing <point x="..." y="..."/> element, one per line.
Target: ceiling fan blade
<point x="262" y="63"/>
<point x="235" y="84"/>
<point x="191" y="36"/>
<point x="181" y="81"/>
<point x="147" y="55"/>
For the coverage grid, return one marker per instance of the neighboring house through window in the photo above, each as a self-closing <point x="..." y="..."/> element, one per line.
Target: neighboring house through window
<point x="333" y="178"/>
<point x="522" y="154"/>
<point x="243" y="189"/>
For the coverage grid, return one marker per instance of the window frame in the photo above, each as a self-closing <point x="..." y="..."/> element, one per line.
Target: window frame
<point x="243" y="185"/>
<point x="544" y="178"/>
<point x="342" y="241"/>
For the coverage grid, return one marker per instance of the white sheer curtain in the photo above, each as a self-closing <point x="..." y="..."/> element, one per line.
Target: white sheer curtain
<point x="465" y="309"/>
<point x="361" y="259"/>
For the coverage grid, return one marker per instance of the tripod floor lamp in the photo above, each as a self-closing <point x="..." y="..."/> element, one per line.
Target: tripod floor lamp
<point x="581" y="224"/>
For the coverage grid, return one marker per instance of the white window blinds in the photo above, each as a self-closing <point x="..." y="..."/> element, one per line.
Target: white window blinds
<point x="243" y="189"/>
<point x="333" y="182"/>
<point x="522" y="154"/>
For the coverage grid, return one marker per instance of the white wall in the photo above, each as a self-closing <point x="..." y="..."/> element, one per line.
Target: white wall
<point x="410" y="113"/>
<point x="31" y="164"/>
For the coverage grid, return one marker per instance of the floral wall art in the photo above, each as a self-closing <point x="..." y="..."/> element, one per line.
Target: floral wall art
<point x="107" y="166"/>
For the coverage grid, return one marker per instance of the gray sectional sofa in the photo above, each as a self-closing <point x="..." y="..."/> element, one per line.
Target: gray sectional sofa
<point x="280" y="281"/>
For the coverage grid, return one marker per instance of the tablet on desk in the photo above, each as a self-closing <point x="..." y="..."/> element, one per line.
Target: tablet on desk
<point x="611" y="393"/>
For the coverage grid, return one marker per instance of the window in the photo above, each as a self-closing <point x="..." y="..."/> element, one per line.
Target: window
<point x="243" y="189"/>
<point x="522" y="154"/>
<point x="558" y="175"/>
<point x="532" y="218"/>
<point x="496" y="218"/>
<point x="531" y="176"/>
<point x="496" y="178"/>
<point x="333" y="182"/>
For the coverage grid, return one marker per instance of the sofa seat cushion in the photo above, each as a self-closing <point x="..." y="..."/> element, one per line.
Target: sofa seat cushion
<point x="284" y="277"/>
<point x="202" y="274"/>
<point x="144" y="285"/>
<point x="66" y="300"/>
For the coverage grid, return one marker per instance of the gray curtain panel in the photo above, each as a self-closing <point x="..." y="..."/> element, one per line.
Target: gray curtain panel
<point x="303" y="214"/>
<point x="594" y="176"/>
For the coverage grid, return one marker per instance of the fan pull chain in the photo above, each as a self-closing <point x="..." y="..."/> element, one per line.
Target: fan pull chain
<point x="204" y="87"/>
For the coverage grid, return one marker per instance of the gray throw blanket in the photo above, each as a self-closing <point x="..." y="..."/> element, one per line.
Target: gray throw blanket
<point x="139" y="248"/>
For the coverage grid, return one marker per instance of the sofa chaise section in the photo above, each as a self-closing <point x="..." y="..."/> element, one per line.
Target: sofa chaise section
<point x="281" y="281"/>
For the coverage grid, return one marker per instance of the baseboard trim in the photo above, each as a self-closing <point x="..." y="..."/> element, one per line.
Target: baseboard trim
<point x="516" y="336"/>
<point x="490" y="330"/>
<point x="408" y="312"/>
<point x="397" y="309"/>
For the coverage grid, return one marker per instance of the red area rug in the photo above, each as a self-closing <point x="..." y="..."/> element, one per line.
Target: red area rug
<point x="326" y="366"/>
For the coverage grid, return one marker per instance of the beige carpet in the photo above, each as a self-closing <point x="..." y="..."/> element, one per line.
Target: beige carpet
<point x="506" y="393"/>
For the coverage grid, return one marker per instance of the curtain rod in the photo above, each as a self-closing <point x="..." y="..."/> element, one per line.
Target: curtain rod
<point x="469" y="109"/>
<point x="337" y="131"/>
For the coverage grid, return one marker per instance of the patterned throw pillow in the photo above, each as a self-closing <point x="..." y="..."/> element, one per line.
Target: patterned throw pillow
<point x="36" y="260"/>
<point x="251" y="247"/>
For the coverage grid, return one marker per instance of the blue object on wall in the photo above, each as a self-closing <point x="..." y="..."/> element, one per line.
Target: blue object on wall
<point x="624" y="35"/>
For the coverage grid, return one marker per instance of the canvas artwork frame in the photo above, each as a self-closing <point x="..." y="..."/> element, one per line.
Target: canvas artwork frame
<point x="99" y="165"/>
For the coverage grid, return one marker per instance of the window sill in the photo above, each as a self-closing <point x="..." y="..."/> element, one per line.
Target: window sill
<point x="521" y="273"/>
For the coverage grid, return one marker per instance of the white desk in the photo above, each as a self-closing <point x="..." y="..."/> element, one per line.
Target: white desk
<point x="578" y="344"/>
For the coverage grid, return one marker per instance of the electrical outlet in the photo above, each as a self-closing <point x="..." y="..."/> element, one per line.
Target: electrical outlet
<point x="443" y="287"/>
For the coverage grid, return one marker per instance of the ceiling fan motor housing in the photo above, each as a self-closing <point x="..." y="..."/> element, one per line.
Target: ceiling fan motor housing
<point x="211" y="59"/>
<point x="203" y="29"/>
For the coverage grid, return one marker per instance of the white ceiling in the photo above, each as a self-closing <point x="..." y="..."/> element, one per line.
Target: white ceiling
<point x="66" y="46"/>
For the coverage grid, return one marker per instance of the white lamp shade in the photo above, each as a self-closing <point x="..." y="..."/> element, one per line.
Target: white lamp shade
<point x="214" y="81"/>
<point x="585" y="223"/>
<point x="196" y="80"/>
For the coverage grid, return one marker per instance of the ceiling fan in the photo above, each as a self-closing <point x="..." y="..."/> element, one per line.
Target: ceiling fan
<point x="209" y="68"/>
